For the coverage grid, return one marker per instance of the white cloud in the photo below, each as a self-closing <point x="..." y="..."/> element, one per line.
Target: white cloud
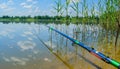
<point x="36" y="51"/>
<point x="29" y="38"/>
<point x="34" y="2"/>
<point x="22" y="4"/>
<point x="6" y="5"/>
<point x="7" y="8"/>
<point x="18" y="61"/>
<point x="10" y="9"/>
<point x="47" y="59"/>
<point x="49" y="45"/>
<point x="37" y="10"/>
<point x="7" y="33"/>
<point x="3" y="6"/>
<point x="10" y="2"/>
<point x="26" y="45"/>
<point x="4" y="33"/>
<point x="15" y="60"/>
<point x="6" y="59"/>
<point x="29" y="0"/>
<point x="25" y="5"/>
<point x="28" y="7"/>
<point x="28" y="33"/>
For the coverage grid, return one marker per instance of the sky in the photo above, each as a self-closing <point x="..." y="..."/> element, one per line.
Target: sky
<point x="28" y="7"/>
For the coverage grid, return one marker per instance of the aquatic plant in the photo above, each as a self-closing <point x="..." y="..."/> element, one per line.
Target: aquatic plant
<point x="84" y="10"/>
<point x="75" y="7"/>
<point x="66" y="8"/>
<point x="59" y="7"/>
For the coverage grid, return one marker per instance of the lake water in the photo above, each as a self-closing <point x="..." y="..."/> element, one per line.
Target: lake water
<point x="34" y="46"/>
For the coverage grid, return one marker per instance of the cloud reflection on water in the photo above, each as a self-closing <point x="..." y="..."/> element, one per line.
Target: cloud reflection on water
<point x="16" y="60"/>
<point x="26" y="45"/>
<point x="48" y="43"/>
<point x="7" y="33"/>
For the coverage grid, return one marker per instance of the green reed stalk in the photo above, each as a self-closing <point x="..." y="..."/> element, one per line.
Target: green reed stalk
<point x="59" y="7"/>
<point x="101" y="11"/>
<point x="111" y="16"/>
<point x="85" y="11"/>
<point x="93" y="11"/>
<point x="66" y="8"/>
<point x="75" y="7"/>
<point x="117" y="6"/>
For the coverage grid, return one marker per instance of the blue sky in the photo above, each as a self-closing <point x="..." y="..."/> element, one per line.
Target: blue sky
<point x="25" y="7"/>
<point x="29" y="7"/>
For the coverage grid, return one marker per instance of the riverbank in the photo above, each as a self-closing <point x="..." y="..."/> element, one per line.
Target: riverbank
<point x="29" y="19"/>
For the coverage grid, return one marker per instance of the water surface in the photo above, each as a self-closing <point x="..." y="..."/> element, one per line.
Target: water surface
<point x="21" y="46"/>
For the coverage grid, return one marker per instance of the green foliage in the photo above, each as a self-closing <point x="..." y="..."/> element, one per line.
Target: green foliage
<point x="59" y="7"/>
<point x="75" y="7"/>
<point x="109" y="16"/>
<point x="66" y="8"/>
<point x="108" y="13"/>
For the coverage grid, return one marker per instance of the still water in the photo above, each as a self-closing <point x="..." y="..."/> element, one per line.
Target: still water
<point x="34" y="46"/>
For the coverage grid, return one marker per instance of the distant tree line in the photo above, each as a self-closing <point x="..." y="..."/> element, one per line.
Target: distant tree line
<point x="29" y="18"/>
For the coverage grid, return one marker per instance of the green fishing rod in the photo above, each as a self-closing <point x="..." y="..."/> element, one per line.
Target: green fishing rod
<point x="90" y="50"/>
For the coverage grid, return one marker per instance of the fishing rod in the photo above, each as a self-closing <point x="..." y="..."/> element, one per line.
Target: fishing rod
<point x="90" y="49"/>
<point x="51" y="50"/>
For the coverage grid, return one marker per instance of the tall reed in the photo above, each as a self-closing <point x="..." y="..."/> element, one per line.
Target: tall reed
<point x="93" y="12"/>
<point x="59" y="7"/>
<point x="75" y="7"/>
<point x="84" y="11"/>
<point x="66" y="8"/>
